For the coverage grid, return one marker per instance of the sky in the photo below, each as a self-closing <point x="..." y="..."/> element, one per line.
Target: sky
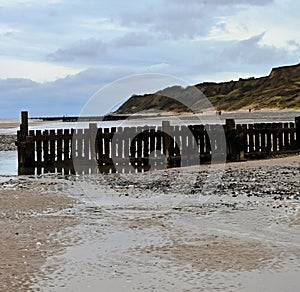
<point x="56" y="54"/>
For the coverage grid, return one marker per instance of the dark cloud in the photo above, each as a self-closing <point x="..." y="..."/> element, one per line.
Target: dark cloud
<point x="131" y="40"/>
<point x="64" y="96"/>
<point x="96" y="51"/>
<point x="249" y="51"/>
<point x="185" y="19"/>
<point x="81" y="50"/>
<point x="173" y="21"/>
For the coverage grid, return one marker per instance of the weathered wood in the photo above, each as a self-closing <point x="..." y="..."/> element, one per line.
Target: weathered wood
<point x="38" y="147"/>
<point x="257" y="132"/>
<point x="232" y="140"/>
<point x="297" y="126"/>
<point x="129" y="148"/>
<point x="274" y="138"/>
<point x="286" y="140"/>
<point x="46" y="156"/>
<point x="263" y="138"/>
<point x="59" y="157"/>
<point x="67" y="138"/>
<point x="166" y="141"/>
<point x="106" y="147"/>
<point x="24" y="124"/>
<point x="250" y="138"/>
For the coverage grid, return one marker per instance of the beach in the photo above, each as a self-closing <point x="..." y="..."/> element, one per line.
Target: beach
<point x="223" y="227"/>
<point x="154" y="232"/>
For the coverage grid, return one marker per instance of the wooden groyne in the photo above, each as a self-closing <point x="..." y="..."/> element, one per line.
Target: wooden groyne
<point x="131" y="149"/>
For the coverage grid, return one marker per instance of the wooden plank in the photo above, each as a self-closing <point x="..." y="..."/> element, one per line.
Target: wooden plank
<point x="52" y="154"/>
<point x="133" y="143"/>
<point x="257" y="133"/>
<point x="139" y="140"/>
<point x="146" y="147"/>
<point x="201" y="140"/>
<point x="59" y="146"/>
<point x="86" y="151"/>
<point x="274" y="137"/>
<point x="245" y="138"/>
<point x="46" y="156"/>
<point x="126" y="147"/>
<point x="100" y="143"/>
<point x="286" y="142"/>
<point x="280" y="136"/>
<point x="120" y="146"/>
<point x="166" y="141"/>
<point x="263" y="138"/>
<point x="38" y="147"/>
<point x="67" y="144"/>
<point x="178" y="146"/>
<point x="59" y="150"/>
<point x="106" y="146"/>
<point x="207" y="140"/>
<point x="292" y="135"/>
<point x="184" y="142"/>
<point x="251" y="138"/>
<point x="114" y="141"/>
<point x="171" y="142"/>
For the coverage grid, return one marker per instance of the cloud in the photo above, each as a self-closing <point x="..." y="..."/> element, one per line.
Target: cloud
<point x="172" y="21"/>
<point x="185" y="19"/>
<point x="196" y="40"/>
<point x="63" y="96"/>
<point x="131" y="40"/>
<point x="225" y="2"/>
<point x="96" y="51"/>
<point x="81" y="50"/>
<point x="38" y="71"/>
<point x="249" y="51"/>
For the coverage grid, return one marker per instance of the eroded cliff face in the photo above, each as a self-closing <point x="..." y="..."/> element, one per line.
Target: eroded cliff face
<point x="279" y="90"/>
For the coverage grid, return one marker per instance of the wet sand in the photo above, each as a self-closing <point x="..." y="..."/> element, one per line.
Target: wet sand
<point x="34" y="222"/>
<point x="233" y="228"/>
<point x="157" y="231"/>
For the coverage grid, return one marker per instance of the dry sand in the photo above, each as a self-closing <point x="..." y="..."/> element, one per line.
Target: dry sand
<point x="157" y="231"/>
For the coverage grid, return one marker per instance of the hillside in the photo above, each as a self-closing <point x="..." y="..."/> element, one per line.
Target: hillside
<point x="279" y="90"/>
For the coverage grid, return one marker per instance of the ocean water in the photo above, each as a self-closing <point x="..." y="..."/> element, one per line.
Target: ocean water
<point x="8" y="163"/>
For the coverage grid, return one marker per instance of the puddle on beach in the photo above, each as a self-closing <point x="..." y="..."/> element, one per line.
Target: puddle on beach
<point x="8" y="163"/>
<point x="128" y="253"/>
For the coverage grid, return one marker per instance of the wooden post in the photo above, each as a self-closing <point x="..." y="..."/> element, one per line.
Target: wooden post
<point x="25" y="145"/>
<point x="24" y="124"/>
<point x="93" y="129"/>
<point x="297" y="124"/>
<point x="233" y="141"/>
<point x="166" y="141"/>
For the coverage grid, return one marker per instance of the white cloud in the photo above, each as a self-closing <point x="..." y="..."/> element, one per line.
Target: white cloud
<point x="279" y="23"/>
<point x="7" y="30"/>
<point x="37" y="71"/>
<point x="7" y="3"/>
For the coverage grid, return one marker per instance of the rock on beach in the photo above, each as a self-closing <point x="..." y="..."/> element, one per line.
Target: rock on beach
<point x="7" y="142"/>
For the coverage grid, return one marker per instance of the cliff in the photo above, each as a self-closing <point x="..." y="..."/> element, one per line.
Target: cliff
<point x="279" y="90"/>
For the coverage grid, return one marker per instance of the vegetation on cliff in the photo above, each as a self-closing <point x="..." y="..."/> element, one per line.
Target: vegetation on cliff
<point x="279" y="90"/>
